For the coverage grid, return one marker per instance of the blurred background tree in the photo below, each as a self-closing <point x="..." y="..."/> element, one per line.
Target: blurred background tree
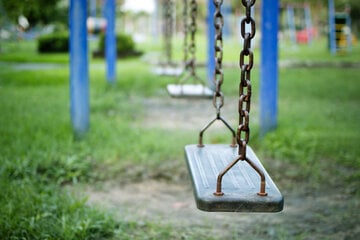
<point x="36" y="11"/>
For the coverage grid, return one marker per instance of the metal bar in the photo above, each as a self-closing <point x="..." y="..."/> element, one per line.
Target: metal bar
<point x="211" y="43"/>
<point x="92" y="8"/>
<point x="332" y="33"/>
<point x="221" y="175"/>
<point x="110" y="40"/>
<point x="269" y="66"/>
<point x="232" y="164"/>
<point x="79" y="76"/>
<point x="262" y="177"/>
<point x="218" y="117"/>
<point x="200" y="144"/>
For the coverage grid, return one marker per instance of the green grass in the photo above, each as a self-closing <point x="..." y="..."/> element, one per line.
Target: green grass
<point x="318" y="121"/>
<point x="37" y="211"/>
<point x="317" y="134"/>
<point x="317" y="52"/>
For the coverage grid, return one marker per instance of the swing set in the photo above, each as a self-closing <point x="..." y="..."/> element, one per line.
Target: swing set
<point x="225" y="177"/>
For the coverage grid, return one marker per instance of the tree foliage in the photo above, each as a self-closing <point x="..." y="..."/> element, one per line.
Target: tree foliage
<point x="36" y="11"/>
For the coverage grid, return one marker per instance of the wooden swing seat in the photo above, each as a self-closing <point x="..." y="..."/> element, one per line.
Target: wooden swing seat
<point x="240" y="185"/>
<point x="189" y="91"/>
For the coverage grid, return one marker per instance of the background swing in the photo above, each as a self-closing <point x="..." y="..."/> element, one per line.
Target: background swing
<point x="168" y="67"/>
<point x="225" y="177"/>
<point x="198" y="87"/>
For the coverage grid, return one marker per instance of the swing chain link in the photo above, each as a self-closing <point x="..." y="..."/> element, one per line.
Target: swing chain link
<point x="186" y="26"/>
<point x="167" y="29"/>
<point x="243" y="132"/>
<point x="192" y="28"/>
<point x="218" y="99"/>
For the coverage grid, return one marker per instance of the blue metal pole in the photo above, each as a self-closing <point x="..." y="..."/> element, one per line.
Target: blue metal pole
<point x="92" y="8"/>
<point x="211" y="43"/>
<point x="79" y="76"/>
<point x="110" y="41"/>
<point x="269" y="66"/>
<point x="332" y="30"/>
<point x="291" y="23"/>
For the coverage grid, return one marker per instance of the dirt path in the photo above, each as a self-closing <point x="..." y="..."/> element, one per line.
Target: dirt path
<point x="312" y="216"/>
<point x="309" y="213"/>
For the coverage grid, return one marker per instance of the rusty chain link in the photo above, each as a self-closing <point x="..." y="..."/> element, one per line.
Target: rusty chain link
<point x="218" y="99"/>
<point x="246" y="63"/>
<point x="185" y="26"/>
<point x="168" y="30"/>
<point x="192" y="28"/>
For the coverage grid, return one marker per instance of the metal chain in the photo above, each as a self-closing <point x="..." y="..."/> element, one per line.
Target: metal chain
<point x="243" y="132"/>
<point x="192" y="28"/>
<point x="246" y="63"/>
<point x="167" y="26"/>
<point x="218" y="99"/>
<point x="186" y="25"/>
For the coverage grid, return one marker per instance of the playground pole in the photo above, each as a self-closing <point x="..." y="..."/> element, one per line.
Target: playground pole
<point x="110" y="41"/>
<point x="92" y="8"/>
<point x="211" y="43"/>
<point x="332" y="30"/>
<point x="79" y="83"/>
<point x="269" y="66"/>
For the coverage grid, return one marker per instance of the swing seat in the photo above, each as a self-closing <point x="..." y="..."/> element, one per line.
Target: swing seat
<point x="240" y="185"/>
<point x="168" y="71"/>
<point x="189" y="90"/>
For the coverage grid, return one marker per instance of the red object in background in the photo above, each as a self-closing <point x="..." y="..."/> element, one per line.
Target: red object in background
<point x="305" y="35"/>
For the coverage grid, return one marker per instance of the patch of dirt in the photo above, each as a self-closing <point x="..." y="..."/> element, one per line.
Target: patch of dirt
<point x="321" y="212"/>
<point x="307" y="216"/>
<point x="188" y="114"/>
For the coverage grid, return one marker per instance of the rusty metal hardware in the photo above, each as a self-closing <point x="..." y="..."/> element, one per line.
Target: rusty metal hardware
<point x="198" y="88"/>
<point x="218" y="97"/>
<point x="190" y="47"/>
<point x="168" y="22"/>
<point x="209" y="163"/>
<point x="243" y="131"/>
<point x="186" y="31"/>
